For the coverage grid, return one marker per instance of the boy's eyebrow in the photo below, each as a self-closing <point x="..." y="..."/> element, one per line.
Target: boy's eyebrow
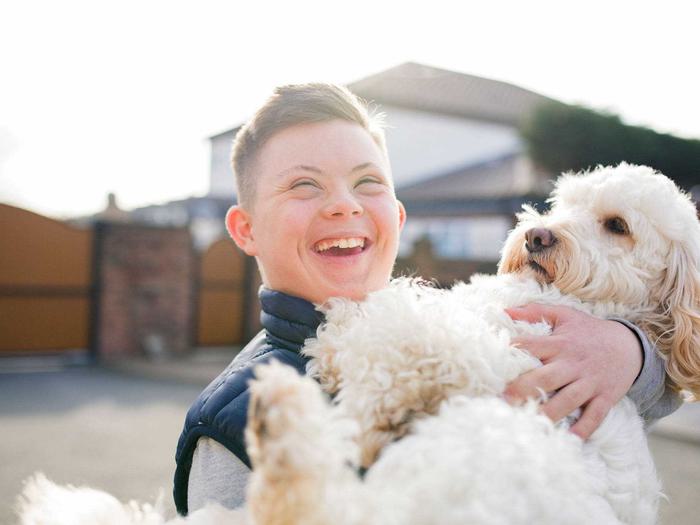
<point x="361" y="167"/>
<point x="318" y="171"/>
<point x="300" y="167"/>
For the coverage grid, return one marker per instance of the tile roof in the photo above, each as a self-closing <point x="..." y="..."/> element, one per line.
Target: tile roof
<point x="427" y="88"/>
<point x="493" y="179"/>
<point x="437" y="90"/>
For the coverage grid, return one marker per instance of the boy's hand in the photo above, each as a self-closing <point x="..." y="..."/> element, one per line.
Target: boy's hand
<point x="592" y="363"/>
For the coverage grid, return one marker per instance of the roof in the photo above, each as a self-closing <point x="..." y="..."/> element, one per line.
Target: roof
<point x="465" y="207"/>
<point x="191" y="201"/>
<point x="231" y="131"/>
<point x="493" y="179"/>
<point x="428" y="88"/>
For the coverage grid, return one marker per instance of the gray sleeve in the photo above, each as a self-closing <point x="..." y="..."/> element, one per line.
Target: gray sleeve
<point x="216" y="475"/>
<point x="650" y="392"/>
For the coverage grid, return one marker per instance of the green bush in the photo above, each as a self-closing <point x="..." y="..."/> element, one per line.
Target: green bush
<point x="563" y="138"/>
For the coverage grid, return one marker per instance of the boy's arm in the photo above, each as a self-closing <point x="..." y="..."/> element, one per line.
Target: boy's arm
<point x="216" y="475"/>
<point x="650" y="391"/>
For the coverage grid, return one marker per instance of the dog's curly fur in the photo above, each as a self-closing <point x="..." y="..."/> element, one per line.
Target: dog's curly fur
<point x="429" y="365"/>
<point x="651" y="271"/>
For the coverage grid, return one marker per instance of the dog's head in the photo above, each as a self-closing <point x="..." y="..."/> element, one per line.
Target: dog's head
<point x="626" y="235"/>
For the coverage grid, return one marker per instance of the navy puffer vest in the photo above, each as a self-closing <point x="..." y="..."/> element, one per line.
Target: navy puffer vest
<point x="220" y="411"/>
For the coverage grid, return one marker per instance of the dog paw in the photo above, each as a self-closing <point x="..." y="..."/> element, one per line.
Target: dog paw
<point x="285" y="409"/>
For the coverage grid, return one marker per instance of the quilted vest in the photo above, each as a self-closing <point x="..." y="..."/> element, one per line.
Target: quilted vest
<point x="220" y="411"/>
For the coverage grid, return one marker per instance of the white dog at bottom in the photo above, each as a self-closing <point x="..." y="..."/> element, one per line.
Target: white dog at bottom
<point x="429" y="366"/>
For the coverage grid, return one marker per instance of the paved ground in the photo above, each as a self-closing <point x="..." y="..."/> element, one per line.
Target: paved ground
<point x="117" y="431"/>
<point x="90" y="426"/>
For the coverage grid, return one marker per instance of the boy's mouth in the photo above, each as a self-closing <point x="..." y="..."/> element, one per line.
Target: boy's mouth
<point x="341" y="246"/>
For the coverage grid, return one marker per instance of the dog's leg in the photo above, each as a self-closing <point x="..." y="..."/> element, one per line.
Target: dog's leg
<point x="302" y="454"/>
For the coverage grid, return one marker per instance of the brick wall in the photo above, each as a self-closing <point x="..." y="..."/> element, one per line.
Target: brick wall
<point x="144" y="291"/>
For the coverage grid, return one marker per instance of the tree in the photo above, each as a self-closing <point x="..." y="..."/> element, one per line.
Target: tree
<point x="562" y="138"/>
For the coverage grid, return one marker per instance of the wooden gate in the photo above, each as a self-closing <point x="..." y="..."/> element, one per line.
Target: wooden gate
<point x="222" y="295"/>
<point x="45" y="283"/>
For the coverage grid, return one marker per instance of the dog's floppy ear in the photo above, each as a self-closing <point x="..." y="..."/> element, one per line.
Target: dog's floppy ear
<point x="513" y="256"/>
<point x="676" y="324"/>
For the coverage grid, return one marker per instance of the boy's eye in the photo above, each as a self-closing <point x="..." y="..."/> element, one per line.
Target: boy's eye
<point x="304" y="183"/>
<point x="368" y="180"/>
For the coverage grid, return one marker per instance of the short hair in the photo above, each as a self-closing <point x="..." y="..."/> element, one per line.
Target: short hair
<point x="289" y="106"/>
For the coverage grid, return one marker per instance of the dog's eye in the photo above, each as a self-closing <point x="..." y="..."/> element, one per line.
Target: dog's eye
<point x="616" y="225"/>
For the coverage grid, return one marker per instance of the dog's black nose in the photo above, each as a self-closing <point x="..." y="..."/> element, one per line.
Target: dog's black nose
<point x="538" y="239"/>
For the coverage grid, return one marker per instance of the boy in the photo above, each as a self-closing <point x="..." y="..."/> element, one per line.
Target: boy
<point x="317" y="210"/>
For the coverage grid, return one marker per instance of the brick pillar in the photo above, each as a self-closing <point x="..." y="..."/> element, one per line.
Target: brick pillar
<point x="144" y="301"/>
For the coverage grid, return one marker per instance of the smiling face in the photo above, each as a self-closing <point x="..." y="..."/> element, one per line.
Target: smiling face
<point x="325" y="221"/>
<point x="610" y="236"/>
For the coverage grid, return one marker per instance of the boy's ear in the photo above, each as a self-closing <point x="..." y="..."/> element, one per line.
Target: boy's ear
<point x="402" y="215"/>
<point x="240" y="227"/>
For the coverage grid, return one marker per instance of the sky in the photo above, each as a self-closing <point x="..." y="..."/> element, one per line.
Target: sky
<point x="121" y="96"/>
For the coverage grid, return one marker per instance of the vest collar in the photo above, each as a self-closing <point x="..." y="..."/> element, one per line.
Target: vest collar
<point x="288" y="320"/>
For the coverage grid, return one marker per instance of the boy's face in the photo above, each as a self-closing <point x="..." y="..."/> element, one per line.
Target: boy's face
<point x="325" y="221"/>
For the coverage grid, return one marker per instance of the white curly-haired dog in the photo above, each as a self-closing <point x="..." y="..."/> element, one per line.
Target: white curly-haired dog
<point x="429" y="366"/>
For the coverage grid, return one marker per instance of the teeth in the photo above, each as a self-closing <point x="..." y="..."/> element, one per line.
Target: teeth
<point x="350" y="242"/>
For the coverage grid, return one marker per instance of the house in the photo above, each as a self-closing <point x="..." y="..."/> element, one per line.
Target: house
<point x="459" y="163"/>
<point x="460" y="168"/>
<point x="204" y="215"/>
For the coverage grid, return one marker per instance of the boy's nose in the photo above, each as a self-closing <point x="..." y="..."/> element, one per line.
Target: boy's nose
<point x="343" y="206"/>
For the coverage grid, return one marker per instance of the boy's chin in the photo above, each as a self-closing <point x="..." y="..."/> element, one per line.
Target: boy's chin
<point x="351" y="294"/>
<point x="319" y="288"/>
<point x="352" y="291"/>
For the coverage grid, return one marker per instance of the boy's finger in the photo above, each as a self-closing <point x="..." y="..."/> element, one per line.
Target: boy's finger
<point x="540" y="346"/>
<point x="536" y="313"/>
<point x="568" y="399"/>
<point x="547" y="378"/>
<point x="592" y="417"/>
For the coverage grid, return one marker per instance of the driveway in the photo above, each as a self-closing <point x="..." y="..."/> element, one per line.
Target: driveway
<point x="118" y="432"/>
